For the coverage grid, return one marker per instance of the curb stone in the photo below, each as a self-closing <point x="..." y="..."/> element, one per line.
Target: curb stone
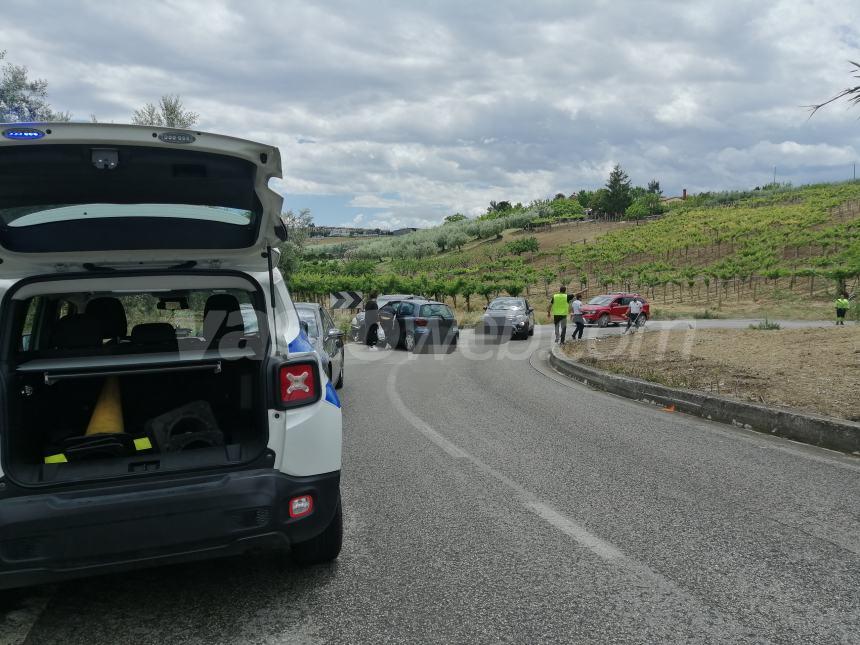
<point x="817" y="430"/>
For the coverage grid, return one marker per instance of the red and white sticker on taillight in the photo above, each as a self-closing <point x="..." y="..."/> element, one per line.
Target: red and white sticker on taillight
<point x="301" y="506"/>
<point x="298" y="384"/>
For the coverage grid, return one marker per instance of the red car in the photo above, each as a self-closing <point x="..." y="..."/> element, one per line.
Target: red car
<point x="613" y="308"/>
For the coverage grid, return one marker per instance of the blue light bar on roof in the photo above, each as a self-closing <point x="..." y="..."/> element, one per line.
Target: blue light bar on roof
<point x="23" y="134"/>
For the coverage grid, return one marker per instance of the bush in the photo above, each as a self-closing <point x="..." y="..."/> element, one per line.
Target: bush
<point x="643" y="206"/>
<point x="766" y="325"/>
<point x="523" y="245"/>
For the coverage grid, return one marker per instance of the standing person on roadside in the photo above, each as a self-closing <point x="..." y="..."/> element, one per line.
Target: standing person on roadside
<point x="842" y="304"/>
<point x="578" y="320"/>
<point x="633" y="313"/>
<point x="558" y="309"/>
<point x="371" y="320"/>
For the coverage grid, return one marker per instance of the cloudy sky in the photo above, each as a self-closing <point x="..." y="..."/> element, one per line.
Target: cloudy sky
<point x="399" y="113"/>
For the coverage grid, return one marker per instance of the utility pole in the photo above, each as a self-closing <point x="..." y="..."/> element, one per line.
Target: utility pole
<point x="774" y="175"/>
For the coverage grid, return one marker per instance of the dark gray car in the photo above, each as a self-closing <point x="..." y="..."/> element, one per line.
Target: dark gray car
<point x="507" y="317"/>
<point x="326" y="338"/>
<point x="357" y="330"/>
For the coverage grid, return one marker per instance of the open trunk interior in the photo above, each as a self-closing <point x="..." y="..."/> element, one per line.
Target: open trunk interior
<point x="127" y="407"/>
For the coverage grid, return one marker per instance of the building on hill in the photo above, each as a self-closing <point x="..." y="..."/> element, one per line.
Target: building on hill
<point x="346" y="231"/>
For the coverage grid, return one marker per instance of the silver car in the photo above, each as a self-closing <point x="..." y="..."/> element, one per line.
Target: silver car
<point x="326" y="338"/>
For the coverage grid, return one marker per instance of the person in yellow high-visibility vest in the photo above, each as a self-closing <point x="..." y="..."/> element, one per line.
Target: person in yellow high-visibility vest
<point x="558" y="308"/>
<point x="842" y="304"/>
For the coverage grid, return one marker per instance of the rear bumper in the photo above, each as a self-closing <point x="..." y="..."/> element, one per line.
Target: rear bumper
<point x="431" y="336"/>
<point x="56" y="536"/>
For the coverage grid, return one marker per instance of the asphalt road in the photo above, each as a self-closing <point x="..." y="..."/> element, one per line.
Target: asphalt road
<point x="489" y="500"/>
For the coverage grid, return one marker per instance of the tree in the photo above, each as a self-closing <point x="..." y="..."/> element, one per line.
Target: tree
<point x="584" y="197"/>
<point x="456" y="217"/>
<point x="298" y="228"/>
<point x="169" y="113"/>
<point x="567" y="208"/>
<point x="523" y="245"/>
<point x="467" y="290"/>
<point x="617" y="197"/>
<point x="654" y="187"/>
<point x="499" y="207"/>
<point x="547" y="275"/>
<point x="23" y="100"/>
<point x="514" y="289"/>
<point x="456" y="239"/>
<point x="851" y="94"/>
<point x="598" y="200"/>
<point x="647" y="204"/>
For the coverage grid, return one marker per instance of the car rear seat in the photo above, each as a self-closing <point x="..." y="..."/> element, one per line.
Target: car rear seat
<point x="155" y="336"/>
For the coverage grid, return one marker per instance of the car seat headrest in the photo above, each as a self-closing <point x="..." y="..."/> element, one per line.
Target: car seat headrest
<point x="110" y="312"/>
<point x="76" y="331"/>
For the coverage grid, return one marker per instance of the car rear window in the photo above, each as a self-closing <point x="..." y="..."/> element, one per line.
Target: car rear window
<point x="121" y="321"/>
<point x="307" y="315"/>
<point x="507" y="303"/>
<point x="440" y="311"/>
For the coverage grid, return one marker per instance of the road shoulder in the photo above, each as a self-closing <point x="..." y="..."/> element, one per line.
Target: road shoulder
<point x="825" y="432"/>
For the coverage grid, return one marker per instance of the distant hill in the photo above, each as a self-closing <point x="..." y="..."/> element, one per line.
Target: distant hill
<point x="710" y="249"/>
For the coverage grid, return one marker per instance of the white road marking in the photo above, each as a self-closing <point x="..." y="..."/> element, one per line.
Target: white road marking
<point x="564" y="524"/>
<point x="531" y="502"/>
<point x="716" y="622"/>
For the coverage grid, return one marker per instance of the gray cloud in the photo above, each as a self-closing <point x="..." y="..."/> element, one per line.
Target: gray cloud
<point x="422" y="111"/>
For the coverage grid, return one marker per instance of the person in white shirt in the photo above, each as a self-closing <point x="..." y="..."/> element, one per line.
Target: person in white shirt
<point x="578" y="320"/>
<point x="634" y="312"/>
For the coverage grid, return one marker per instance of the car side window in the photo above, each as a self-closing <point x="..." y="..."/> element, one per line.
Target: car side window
<point x="34" y="308"/>
<point x="389" y="309"/>
<point x="406" y="309"/>
<point x="327" y="322"/>
<point x="65" y="308"/>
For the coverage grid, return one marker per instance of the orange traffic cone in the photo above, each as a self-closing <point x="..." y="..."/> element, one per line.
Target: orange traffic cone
<point x="107" y="415"/>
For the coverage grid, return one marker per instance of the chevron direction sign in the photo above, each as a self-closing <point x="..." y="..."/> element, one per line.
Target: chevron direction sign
<point x="345" y="299"/>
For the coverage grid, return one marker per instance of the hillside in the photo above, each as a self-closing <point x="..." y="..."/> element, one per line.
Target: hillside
<point x="747" y="253"/>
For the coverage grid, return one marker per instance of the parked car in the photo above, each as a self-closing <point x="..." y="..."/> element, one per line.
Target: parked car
<point x="326" y="338"/>
<point x="507" y="317"/>
<point x="416" y="324"/>
<point x="357" y="330"/>
<point x="160" y="402"/>
<point x="612" y="308"/>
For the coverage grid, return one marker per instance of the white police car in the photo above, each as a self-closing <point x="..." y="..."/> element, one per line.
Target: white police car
<point x="159" y="400"/>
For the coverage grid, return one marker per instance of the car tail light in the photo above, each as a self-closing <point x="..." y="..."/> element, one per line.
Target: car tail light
<point x="301" y="506"/>
<point x="420" y="322"/>
<point x="298" y="384"/>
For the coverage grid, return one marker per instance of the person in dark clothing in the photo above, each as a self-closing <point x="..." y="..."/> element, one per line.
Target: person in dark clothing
<point x="371" y="318"/>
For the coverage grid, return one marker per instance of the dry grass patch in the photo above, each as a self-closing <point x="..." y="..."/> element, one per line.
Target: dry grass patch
<point x="817" y="370"/>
